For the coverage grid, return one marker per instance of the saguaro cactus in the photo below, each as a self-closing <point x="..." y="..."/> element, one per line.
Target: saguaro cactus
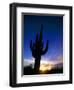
<point x="37" y="49"/>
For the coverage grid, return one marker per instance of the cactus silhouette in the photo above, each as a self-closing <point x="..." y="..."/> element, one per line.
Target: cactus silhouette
<point x="38" y="50"/>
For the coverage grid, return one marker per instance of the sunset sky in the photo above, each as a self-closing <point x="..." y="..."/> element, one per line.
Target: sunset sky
<point x="52" y="31"/>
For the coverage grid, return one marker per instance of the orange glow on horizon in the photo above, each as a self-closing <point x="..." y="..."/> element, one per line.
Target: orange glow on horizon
<point x="45" y="67"/>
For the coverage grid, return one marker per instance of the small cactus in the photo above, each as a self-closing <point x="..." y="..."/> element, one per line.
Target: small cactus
<point x="38" y="50"/>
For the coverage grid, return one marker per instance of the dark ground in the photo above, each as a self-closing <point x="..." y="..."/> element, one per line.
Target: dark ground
<point x="29" y="71"/>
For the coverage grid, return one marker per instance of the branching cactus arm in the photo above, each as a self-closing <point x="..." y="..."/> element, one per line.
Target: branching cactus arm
<point x="45" y="50"/>
<point x="31" y="46"/>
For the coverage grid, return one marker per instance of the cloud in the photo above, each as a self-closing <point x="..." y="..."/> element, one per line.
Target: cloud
<point x="28" y="62"/>
<point x="57" y="62"/>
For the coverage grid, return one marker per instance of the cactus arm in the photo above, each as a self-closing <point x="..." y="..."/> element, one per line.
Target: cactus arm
<point x="31" y="46"/>
<point x="45" y="50"/>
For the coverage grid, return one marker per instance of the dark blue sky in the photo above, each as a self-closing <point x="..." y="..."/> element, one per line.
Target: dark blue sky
<point x="52" y="31"/>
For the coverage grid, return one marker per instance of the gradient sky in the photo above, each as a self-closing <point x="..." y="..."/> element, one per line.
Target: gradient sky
<point x="52" y="31"/>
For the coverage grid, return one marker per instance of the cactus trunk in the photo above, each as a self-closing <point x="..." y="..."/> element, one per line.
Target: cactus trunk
<point x="37" y="65"/>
